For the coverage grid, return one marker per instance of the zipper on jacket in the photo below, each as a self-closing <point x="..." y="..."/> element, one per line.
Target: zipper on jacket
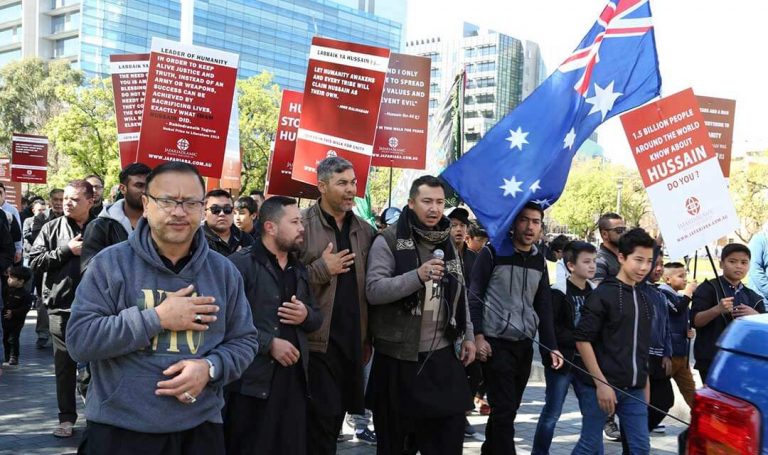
<point x="634" y="340"/>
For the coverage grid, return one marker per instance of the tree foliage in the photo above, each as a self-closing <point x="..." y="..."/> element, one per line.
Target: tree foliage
<point x="749" y="190"/>
<point x="86" y="133"/>
<point x="29" y="95"/>
<point x="259" y="102"/>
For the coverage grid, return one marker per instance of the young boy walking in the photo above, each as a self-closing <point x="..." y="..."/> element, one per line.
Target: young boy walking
<point x="712" y="311"/>
<point x="18" y="302"/>
<point x="678" y="292"/>
<point x="568" y="300"/>
<point x="613" y="337"/>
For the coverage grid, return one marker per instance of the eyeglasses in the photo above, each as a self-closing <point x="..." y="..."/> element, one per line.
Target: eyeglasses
<point x="216" y="209"/>
<point x="169" y="204"/>
<point x="619" y="229"/>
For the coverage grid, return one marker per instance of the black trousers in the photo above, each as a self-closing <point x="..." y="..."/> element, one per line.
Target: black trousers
<point x="426" y="404"/>
<point x="506" y="374"/>
<point x="205" y="439"/>
<point x="323" y="431"/>
<point x="65" y="368"/>
<point x="11" y="334"/>
<point x="277" y="424"/>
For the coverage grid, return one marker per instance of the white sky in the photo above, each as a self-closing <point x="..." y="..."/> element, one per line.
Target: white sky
<point x="718" y="48"/>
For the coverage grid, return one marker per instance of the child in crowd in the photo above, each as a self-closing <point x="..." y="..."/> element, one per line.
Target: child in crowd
<point x="568" y="299"/>
<point x="712" y="311"/>
<point x="679" y="291"/>
<point x="613" y="339"/>
<point x="18" y="301"/>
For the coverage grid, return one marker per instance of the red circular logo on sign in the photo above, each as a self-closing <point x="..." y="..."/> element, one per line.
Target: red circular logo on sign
<point x="692" y="206"/>
<point x="182" y="144"/>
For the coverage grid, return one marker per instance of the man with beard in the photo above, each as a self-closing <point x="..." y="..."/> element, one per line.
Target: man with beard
<point x="335" y="249"/>
<point x="222" y="235"/>
<point x="115" y="223"/>
<point x="418" y="385"/>
<point x="266" y="409"/>
<point x="510" y="301"/>
<point x="56" y="254"/>
<point x="98" y="194"/>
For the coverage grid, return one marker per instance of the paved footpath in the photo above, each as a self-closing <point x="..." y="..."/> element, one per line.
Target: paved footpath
<point x="28" y="413"/>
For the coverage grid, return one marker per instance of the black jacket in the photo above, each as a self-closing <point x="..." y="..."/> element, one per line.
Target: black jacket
<point x="617" y="321"/>
<point x="238" y="239"/>
<point x="264" y="295"/>
<point x="7" y="248"/>
<point x="707" y="295"/>
<point x="18" y="301"/>
<point x="563" y="317"/>
<point x="106" y="230"/>
<point x="50" y="255"/>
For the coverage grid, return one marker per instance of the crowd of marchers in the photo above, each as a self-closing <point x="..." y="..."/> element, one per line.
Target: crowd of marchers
<point x="192" y="322"/>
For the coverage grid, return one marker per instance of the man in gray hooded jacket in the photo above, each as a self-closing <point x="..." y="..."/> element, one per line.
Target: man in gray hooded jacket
<point x="165" y="324"/>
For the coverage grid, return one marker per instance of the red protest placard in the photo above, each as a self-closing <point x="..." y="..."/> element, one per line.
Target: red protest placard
<point x="187" y="106"/>
<point x="401" y="134"/>
<point x="342" y="98"/>
<point x="279" y="179"/>
<point x="12" y="189"/>
<point x="680" y="172"/>
<point x="129" y="85"/>
<point x="29" y="158"/>
<point x="719" y="114"/>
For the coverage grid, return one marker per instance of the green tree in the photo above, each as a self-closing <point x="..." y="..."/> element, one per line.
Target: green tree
<point x="85" y="133"/>
<point x="259" y="103"/>
<point x="634" y="199"/>
<point x="378" y="186"/>
<point x="590" y="191"/>
<point x="29" y="95"/>
<point x="749" y="191"/>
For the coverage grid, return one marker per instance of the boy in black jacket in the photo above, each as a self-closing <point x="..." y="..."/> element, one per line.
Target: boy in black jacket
<point x="613" y="337"/>
<point x="712" y="311"/>
<point x="18" y="302"/>
<point x="567" y="301"/>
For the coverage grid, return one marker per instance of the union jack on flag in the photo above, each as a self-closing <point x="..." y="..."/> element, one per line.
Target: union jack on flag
<point x="526" y="156"/>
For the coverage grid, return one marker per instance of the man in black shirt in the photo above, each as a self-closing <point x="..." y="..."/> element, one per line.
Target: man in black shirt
<point x="266" y="409"/>
<point x="222" y="235"/>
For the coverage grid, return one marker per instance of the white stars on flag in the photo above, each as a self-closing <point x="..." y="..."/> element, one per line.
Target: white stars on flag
<point x="511" y="187"/>
<point x="603" y="100"/>
<point x="535" y="186"/>
<point x="517" y="138"/>
<point x="570" y="138"/>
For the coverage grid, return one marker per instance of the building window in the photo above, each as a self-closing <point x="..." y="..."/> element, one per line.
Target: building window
<point x="432" y="103"/>
<point x="480" y="51"/>
<point x="435" y="73"/>
<point x="65" y="22"/>
<point x="10" y="13"/>
<point x="9" y="56"/>
<point x="10" y="35"/>
<point x="481" y="67"/>
<point x="62" y="3"/>
<point x="434" y="56"/>
<point x="66" y="47"/>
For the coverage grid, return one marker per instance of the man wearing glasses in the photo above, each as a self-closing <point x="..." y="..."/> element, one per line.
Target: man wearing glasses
<point x="611" y="226"/>
<point x="165" y="324"/>
<point x="222" y="235"/>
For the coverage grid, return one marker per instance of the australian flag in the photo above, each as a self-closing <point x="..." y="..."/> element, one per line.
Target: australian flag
<point x="527" y="155"/>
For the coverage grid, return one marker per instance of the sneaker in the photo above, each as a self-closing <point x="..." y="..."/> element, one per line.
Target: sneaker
<point x="611" y="431"/>
<point x="343" y="437"/>
<point x="14" y="361"/>
<point x="660" y="428"/>
<point x="365" y="436"/>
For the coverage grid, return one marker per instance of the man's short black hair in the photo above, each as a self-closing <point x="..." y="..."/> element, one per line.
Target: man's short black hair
<point x="530" y="205"/>
<point x="477" y="231"/>
<point x="174" y="166"/>
<point x="54" y="191"/>
<point x="218" y="192"/>
<point x="256" y="193"/>
<point x="735" y="248"/>
<point x="94" y="176"/>
<point x="428" y="180"/>
<point x="573" y="249"/>
<point x="21" y="273"/>
<point x="272" y="209"/>
<point x="2" y="186"/>
<point x="133" y="169"/>
<point x="558" y="243"/>
<point x="83" y="185"/>
<point x="674" y="265"/>
<point x="246" y="202"/>
<point x="603" y="221"/>
<point x="634" y="238"/>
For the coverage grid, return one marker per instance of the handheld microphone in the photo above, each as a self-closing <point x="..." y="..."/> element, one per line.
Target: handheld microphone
<point x="437" y="254"/>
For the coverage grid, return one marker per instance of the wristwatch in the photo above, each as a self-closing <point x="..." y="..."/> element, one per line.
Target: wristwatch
<point x="211" y="369"/>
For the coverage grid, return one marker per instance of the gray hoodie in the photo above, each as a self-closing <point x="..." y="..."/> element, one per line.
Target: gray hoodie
<point x="115" y="328"/>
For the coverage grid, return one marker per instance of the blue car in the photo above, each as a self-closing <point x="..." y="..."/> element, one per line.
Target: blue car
<point x="730" y="414"/>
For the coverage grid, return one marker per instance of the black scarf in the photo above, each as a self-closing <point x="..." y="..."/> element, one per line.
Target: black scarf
<point x="409" y="231"/>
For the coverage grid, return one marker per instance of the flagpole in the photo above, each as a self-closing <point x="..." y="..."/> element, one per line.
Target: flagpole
<point x="389" y="204"/>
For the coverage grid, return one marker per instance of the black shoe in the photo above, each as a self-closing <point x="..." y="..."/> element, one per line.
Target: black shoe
<point x="14" y="361"/>
<point x="365" y="436"/>
<point x="611" y="431"/>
